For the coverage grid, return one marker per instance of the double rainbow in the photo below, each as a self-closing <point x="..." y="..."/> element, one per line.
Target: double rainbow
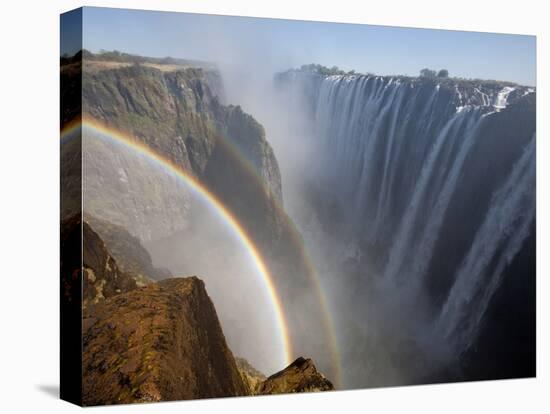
<point x="114" y="135"/>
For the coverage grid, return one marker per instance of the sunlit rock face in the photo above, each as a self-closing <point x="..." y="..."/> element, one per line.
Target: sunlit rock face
<point x="177" y="114"/>
<point x="159" y="343"/>
<point x="432" y="188"/>
<point x="251" y="376"/>
<point x="300" y="376"/>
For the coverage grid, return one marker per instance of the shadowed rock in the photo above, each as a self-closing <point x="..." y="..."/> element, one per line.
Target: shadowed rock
<point x="130" y="255"/>
<point x="101" y="276"/>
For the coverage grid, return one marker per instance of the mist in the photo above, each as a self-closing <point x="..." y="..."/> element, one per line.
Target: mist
<point x="378" y="220"/>
<point x="381" y="331"/>
<point x="208" y="248"/>
<point x="187" y="236"/>
<point x="373" y="338"/>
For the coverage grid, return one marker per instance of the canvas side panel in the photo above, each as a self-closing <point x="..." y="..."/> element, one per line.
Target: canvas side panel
<point x="71" y="207"/>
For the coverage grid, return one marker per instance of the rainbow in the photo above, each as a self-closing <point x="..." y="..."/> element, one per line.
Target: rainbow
<point x="314" y="280"/>
<point x="212" y="200"/>
<point x="130" y="142"/>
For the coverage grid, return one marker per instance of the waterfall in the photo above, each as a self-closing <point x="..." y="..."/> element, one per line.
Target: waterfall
<point x="445" y="167"/>
<point x="424" y="170"/>
<point x="365" y="126"/>
<point x="502" y="97"/>
<point x="506" y="226"/>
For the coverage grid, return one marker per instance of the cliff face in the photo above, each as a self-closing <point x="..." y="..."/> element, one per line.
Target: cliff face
<point x="158" y="343"/>
<point x="106" y="274"/>
<point x="102" y="278"/>
<point x="131" y="256"/>
<point x="173" y="107"/>
<point x="174" y="111"/>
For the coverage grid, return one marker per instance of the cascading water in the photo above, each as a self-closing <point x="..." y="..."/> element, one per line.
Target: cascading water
<point x="437" y="179"/>
<point x="365" y="126"/>
<point x="506" y="226"/>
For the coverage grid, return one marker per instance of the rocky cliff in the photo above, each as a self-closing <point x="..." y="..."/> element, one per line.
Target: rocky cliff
<point x="106" y="274"/>
<point x="98" y="274"/>
<point x="102" y="277"/>
<point x="132" y="257"/>
<point x="158" y="343"/>
<point x="162" y="341"/>
<point x="175" y="110"/>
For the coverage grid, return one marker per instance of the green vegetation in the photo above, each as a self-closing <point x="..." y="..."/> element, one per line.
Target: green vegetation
<point x="117" y="56"/>
<point x="325" y="71"/>
<point x="431" y="74"/>
<point x="427" y="73"/>
<point x="442" y="76"/>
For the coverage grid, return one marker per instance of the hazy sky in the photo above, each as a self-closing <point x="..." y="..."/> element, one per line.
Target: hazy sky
<point x="280" y="44"/>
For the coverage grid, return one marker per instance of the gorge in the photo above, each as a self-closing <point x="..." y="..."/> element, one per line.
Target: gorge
<point x="395" y="217"/>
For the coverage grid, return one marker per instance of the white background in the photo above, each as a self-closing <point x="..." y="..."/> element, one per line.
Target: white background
<point x="29" y="253"/>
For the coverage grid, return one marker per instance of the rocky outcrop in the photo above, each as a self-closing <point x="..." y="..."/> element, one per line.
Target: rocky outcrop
<point x="94" y="276"/>
<point x="158" y="343"/>
<point x="300" y="376"/>
<point x="251" y="376"/>
<point x="107" y="271"/>
<point x="131" y="256"/>
<point x="102" y="277"/>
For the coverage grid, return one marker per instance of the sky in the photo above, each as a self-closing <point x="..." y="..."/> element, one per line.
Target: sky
<point x="277" y="44"/>
<point x="71" y="32"/>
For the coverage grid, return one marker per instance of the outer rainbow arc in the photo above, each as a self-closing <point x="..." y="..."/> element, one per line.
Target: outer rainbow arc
<point x="310" y="268"/>
<point x="228" y="217"/>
